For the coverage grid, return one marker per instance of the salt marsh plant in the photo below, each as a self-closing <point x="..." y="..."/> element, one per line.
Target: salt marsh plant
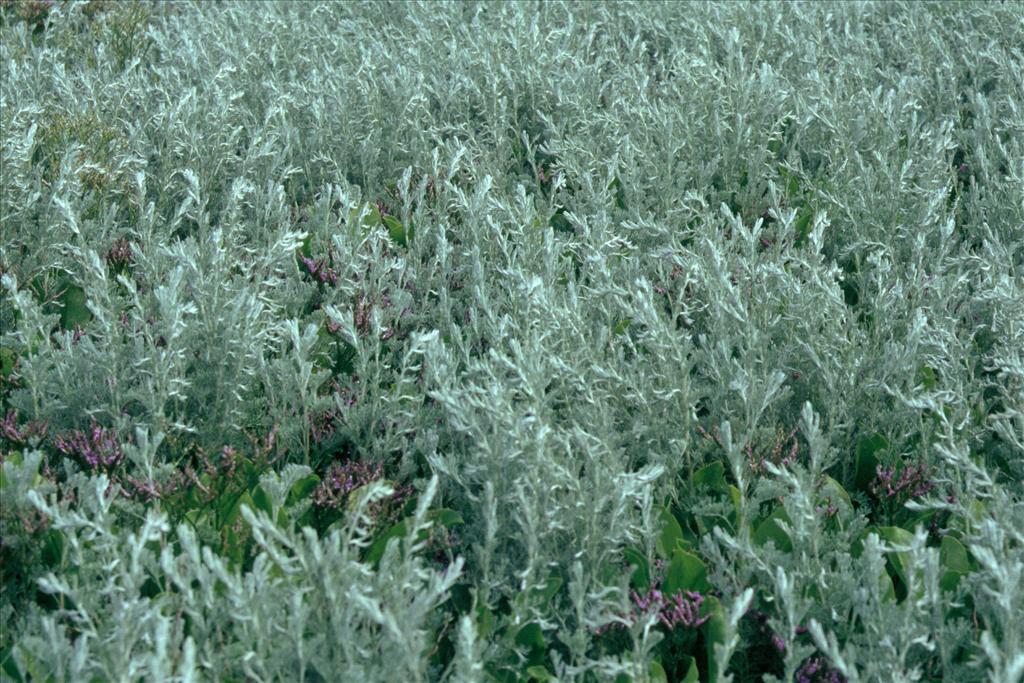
<point x="512" y="342"/>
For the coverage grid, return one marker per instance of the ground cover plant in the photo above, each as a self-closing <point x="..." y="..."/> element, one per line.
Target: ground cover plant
<point x="511" y="342"/>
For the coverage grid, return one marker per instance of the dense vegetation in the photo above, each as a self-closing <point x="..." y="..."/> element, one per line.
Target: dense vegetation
<point x="512" y="342"/>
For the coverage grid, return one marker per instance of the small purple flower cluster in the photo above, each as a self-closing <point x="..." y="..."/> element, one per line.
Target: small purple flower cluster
<point x="323" y="425"/>
<point x="361" y="314"/>
<point x="681" y="609"/>
<point x="758" y="462"/>
<point x="342" y="479"/>
<point x="678" y="609"/>
<point x="829" y="509"/>
<point x="32" y="12"/>
<point x="319" y="269"/>
<point x="782" y="452"/>
<point x="99" y="448"/>
<point x="120" y="254"/>
<point x="20" y="436"/>
<point x="147" y="490"/>
<point x="817" y="670"/>
<point x="363" y="310"/>
<point x="760" y="620"/>
<point x="913" y="482"/>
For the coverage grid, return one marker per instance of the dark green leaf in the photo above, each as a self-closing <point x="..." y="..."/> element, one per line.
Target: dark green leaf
<point x="380" y="543"/>
<point x="539" y="673"/>
<point x="74" y="311"/>
<point x="671" y="534"/>
<point x="302" y="489"/>
<point x="445" y="517"/>
<point x="641" y="578"/>
<point x="8" y="665"/>
<point x="868" y="448"/>
<point x="955" y="562"/>
<point x="396" y="230"/>
<point x="692" y="674"/>
<point x="53" y="548"/>
<point x="803" y="224"/>
<point x="686" y="573"/>
<point x="769" y="530"/>
<point x="710" y="476"/>
<point x="261" y="501"/>
<point x="714" y="630"/>
<point x="7" y="360"/>
<point x="531" y="636"/>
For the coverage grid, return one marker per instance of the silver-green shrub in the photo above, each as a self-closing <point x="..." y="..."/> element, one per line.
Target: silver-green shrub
<point x="608" y="230"/>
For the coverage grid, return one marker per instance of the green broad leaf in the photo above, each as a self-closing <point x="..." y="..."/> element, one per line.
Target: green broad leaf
<point x="955" y="562"/>
<point x="306" y="248"/>
<point x="380" y="544"/>
<point x="888" y="588"/>
<point x="73" y="311"/>
<point x="657" y="671"/>
<point x="734" y="496"/>
<point x="548" y="591"/>
<point x="834" y="490"/>
<point x="445" y="517"/>
<point x="540" y="595"/>
<point x="9" y="666"/>
<point x="620" y="195"/>
<point x="803" y="225"/>
<point x="231" y="507"/>
<point x="792" y="184"/>
<point x="484" y="621"/>
<point x="953" y="555"/>
<point x="53" y="548"/>
<point x="670" y="536"/>
<point x="560" y="223"/>
<point x="372" y="218"/>
<point x="496" y="676"/>
<point x="689" y="664"/>
<point x="355" y="496"/>
<point x="233" y="548"/>
<point x="531" y="636"/>
<point x="539" y="673"/>
<point x="621" y="327"/>
<point x="928" y="377"/>
<point x="7" y="360"/>
<point x="302" y="489"/>
<point x="710" y="477"/>
<point x="397" y="231"/>
<point x="323" y="355"/>
<point x="641" y="577"/>
<point x="197" y="517"/>
<point x="261" y="501"/>
<point x="686" y="573"/>
<point x="769" y="530"/>
<point x="714" y="631"/>
<point x="895" y="535"/>
<point x="284" y="519"/>
<point x="868" y="448"/>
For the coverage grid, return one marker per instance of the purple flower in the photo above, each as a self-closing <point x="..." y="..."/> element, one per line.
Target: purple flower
<point x="120" y="254"/>
<point x="99" y="448"/>
<point x="679" y="609"/>
<point x="913" y="482"/>
<point x="320" y="270"/>
<point x="683" y="610"/>
<point x="816" y="670"/>
<point x="342" y="479"/>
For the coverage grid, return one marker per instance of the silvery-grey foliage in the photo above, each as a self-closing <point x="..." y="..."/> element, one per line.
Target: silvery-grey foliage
<point x="604" y="199"/>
